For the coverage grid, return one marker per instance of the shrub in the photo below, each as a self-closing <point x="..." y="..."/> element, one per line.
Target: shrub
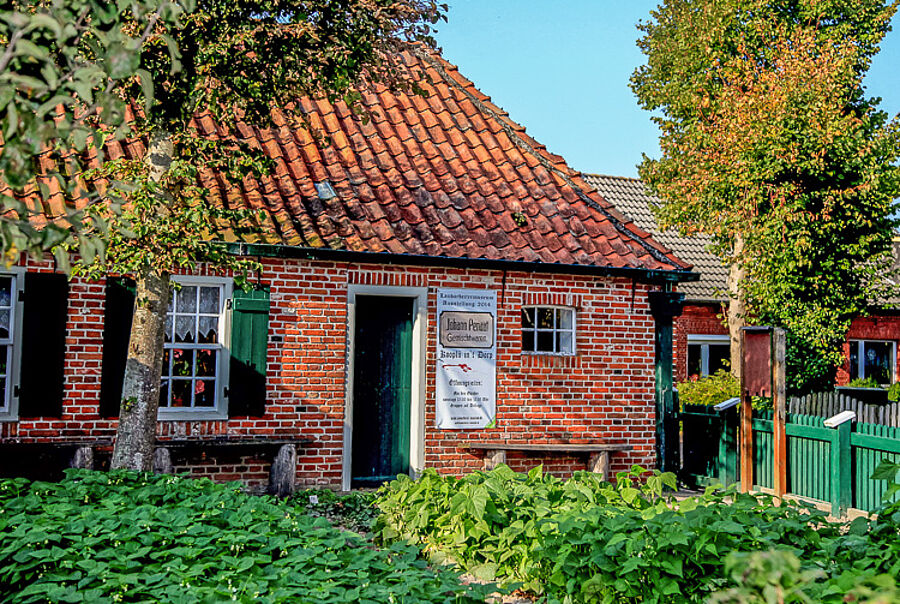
<point x="893" y="393"/>
<point x="489" y="522"/>
<point x="128" y="537"/>
<point x="583" y="540"/>
<point x="808" y="369"/>
<point x="716" y="388"/>
<point x="676" y="555"/>
<point x="778" y="575"/>
<point x="864" y="383"/>
<point x="709" y="390"/>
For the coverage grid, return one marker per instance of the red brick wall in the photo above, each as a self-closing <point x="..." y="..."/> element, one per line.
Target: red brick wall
<point x="878" y="327"/>
<point x="697" y="319"/>
<point x="605" y="391"/>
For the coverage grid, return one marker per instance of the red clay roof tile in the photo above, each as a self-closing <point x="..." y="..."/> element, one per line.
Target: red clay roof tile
<point x="444" y="174"/>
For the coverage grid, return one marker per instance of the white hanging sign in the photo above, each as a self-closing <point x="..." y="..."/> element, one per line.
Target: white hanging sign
<point x="466" y="358"/>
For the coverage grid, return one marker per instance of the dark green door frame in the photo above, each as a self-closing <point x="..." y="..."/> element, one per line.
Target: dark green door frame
<point x="665" y="306"/>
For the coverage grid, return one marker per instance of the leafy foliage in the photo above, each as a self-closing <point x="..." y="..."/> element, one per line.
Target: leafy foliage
<point x="709" y="390"/>
<point x="868" y="382"/>
<point x="716" y="388"/>
<point x="490" y="522"/>
<point x="235" y="62"/>
<point x="778" y="576"/>
<point x="770" y="145"/>
<point x="62" y="65"/>
<point x="808" y="369"/>
<point x="582" y="540"/>
<point x="674" y="555"/>
<point x="354" y="511"/>
<point x="893" y="393"/>
<point x="127" y="537"/>
<point x="71" y="67"/>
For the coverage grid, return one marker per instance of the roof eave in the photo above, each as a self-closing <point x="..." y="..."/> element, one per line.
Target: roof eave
<point x="644" y="275"/>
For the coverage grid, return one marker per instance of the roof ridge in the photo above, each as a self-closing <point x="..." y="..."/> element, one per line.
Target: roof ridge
<point x="514" y="135"/>
<point x="632" y="178"/>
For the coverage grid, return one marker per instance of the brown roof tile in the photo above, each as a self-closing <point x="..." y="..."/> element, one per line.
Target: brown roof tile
<point x="440" y="174"/>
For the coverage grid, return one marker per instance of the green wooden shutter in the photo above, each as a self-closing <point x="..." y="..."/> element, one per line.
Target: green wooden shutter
<point x="249" y="339"/>
<point x="41" y="383"/>
<point x="120" y="293"/>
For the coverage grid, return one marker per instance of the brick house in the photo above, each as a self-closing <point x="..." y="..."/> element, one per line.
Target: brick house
<point x="701" y="337"/>
<point x="404" y="254"/>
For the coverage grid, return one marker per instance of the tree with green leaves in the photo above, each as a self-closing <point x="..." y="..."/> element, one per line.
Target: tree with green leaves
<point x="62" y="66"/>
<point x="235" y="60"/>
<point x="771" y="146"/>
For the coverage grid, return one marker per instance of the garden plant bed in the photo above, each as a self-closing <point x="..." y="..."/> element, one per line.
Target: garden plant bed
<point x="583" y="540"/>
<point x="127" y="537"/>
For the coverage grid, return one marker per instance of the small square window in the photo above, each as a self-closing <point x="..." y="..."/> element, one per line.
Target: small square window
<point x="872" y="359"/>
<point x="548" y="329"/>
<point x="707" y="354"/>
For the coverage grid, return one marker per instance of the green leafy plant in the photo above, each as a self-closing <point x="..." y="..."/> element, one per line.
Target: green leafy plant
<point x="779" y="577"/>
<point x="62" y="68"/>
<point x="893" y="393"/>
<point x="489" y="522"/>
<point x="864" y="383"/>
<point x="675" y="555"/>
<point x="709" y="390"/>
<point x="582" y="540"/>
<point x="715" y="388"/>
<point x="353" y="511"/>
<point x="131" y="537"/>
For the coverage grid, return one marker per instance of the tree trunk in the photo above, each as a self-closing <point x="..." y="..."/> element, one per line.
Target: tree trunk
<point x="736" y="310"/>
<point x="136" y="435"/>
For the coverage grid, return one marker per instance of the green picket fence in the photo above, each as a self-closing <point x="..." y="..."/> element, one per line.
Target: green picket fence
<point x="809" y="455"/>
<point x="832" y="465"/>
<point x="872" y="444"/>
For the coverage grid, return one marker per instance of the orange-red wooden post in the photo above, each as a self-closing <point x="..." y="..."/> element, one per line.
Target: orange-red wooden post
<point x="756" y="380"/>
<point x="746" y="442"/>
<point x="779" y="400"/>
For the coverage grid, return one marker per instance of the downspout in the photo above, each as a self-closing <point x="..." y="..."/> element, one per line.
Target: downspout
<point x="665" y="306"/>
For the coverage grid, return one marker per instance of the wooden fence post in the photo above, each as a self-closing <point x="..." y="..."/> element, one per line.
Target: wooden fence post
<point x="779" y="400"/>
<point x="841" y="470"/>
<point x="746" y="436"/>
<point x="756" y="380"/>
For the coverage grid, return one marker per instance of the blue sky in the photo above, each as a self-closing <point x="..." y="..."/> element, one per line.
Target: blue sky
<point x="561" y="69"/>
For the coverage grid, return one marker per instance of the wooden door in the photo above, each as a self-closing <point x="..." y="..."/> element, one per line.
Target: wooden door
<point x="382" y="393"/>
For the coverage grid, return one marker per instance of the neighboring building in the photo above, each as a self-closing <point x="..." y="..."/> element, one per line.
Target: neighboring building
<point x="701" y="336"/>
<point x="435" y="203"/>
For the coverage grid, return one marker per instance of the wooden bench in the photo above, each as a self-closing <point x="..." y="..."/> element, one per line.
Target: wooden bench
<point x="76" y="453"/>
<point x="282" y="473"/>
<point x="598" y="453"/>
<point x="80" y="453"/>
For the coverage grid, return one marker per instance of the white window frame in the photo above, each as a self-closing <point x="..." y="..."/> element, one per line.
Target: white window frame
<point x="861" y="366"/>
<point x="10" y="409"/>
<point x="220" y="410"/>
<point x="535" y="330"/>
<point x="704" y="342"/>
